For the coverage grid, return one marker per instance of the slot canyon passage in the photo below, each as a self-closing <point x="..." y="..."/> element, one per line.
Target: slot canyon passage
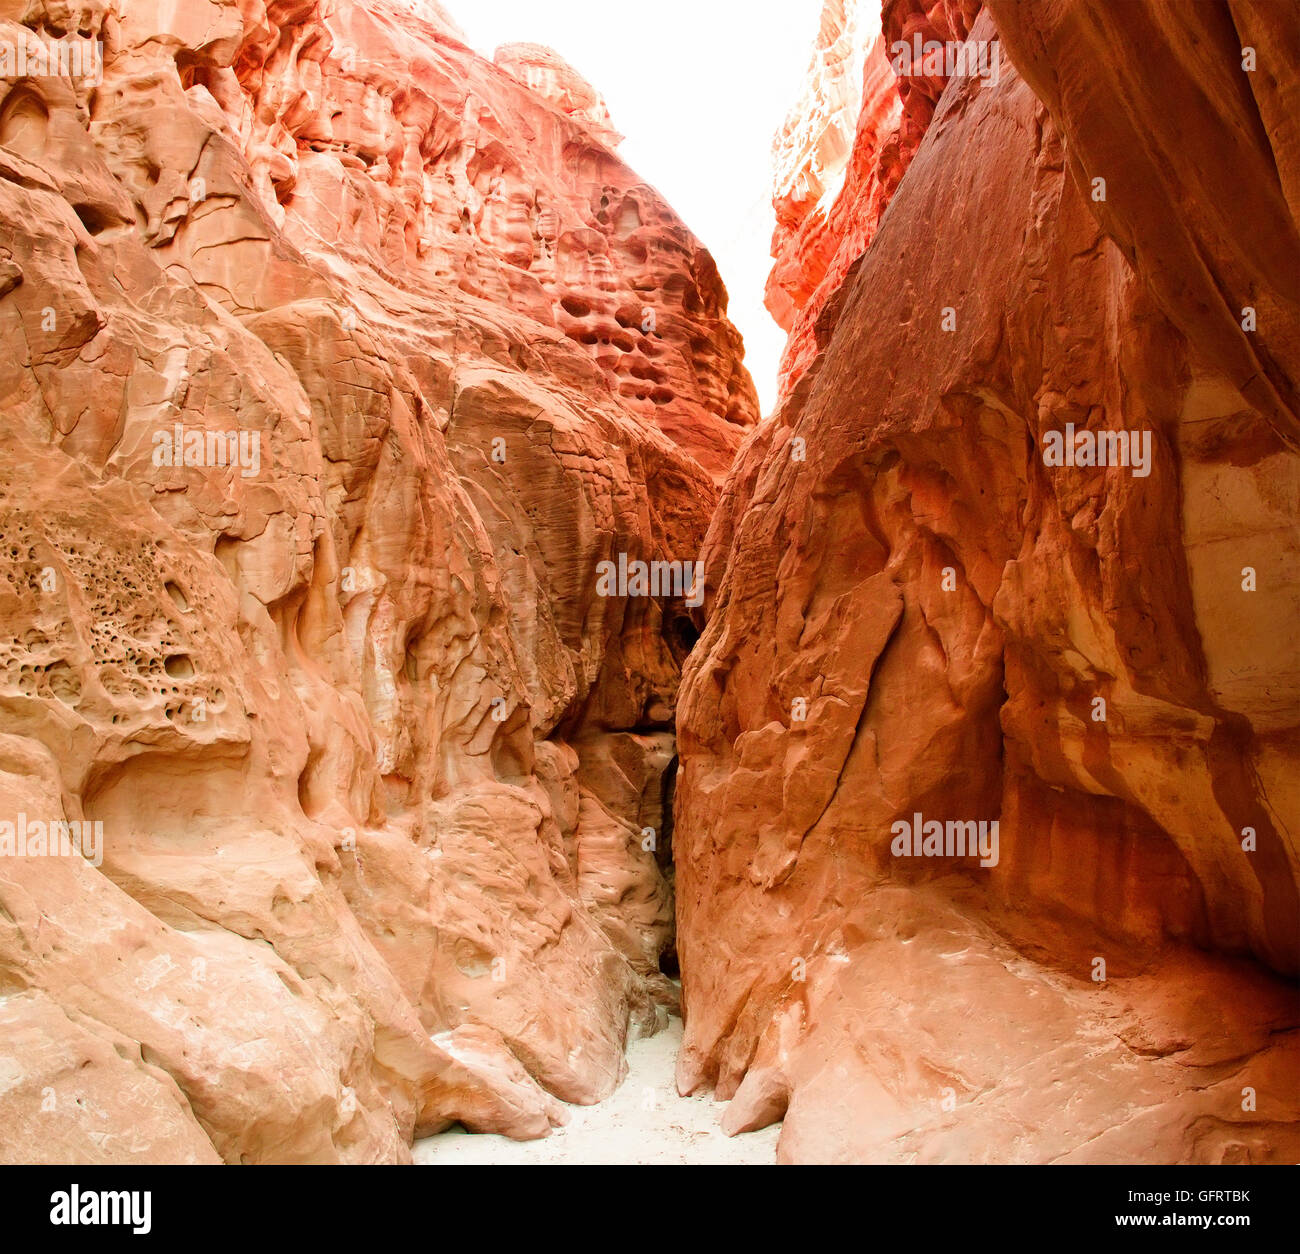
<point x="340" y="359"/>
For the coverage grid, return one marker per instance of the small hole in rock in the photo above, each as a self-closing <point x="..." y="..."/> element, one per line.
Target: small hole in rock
<point x="179" y="666"/>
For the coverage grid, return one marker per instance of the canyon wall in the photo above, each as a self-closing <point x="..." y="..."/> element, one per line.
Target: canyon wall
<point x="337" y="359"/>
<point x="1019" y="549"/>
<point x="843" y="151"/>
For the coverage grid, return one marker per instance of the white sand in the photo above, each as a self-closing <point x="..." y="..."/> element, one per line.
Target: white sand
<point x="644" y="1122"/>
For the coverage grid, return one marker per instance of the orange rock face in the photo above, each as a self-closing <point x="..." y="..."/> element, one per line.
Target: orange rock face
<point x="987" y="819"/>
<point x="337" y="359"/>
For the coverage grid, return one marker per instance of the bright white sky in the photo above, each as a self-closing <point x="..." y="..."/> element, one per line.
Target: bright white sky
<point x="699" y="87"/>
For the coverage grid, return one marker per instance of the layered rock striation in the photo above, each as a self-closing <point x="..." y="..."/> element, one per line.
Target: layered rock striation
<point x="337" y="361"/>
<point x="987" y="820"/>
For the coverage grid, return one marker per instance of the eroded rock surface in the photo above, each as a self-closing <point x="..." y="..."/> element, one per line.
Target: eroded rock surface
<point x="915" y="612"/>
<point x="369" y="756"/>
<point x="843" y="151"/>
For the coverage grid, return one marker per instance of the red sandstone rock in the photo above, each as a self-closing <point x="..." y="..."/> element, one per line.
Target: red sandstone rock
<point x="911" y="611"/>
<point x="375" y="764"/>
<point x="830" y="197"/>
<point x="546" y="73"/>
<point x="357" y="882"/>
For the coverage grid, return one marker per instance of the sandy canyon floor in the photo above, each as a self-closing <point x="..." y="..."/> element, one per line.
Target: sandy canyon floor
<point x="644" y="1123"/>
